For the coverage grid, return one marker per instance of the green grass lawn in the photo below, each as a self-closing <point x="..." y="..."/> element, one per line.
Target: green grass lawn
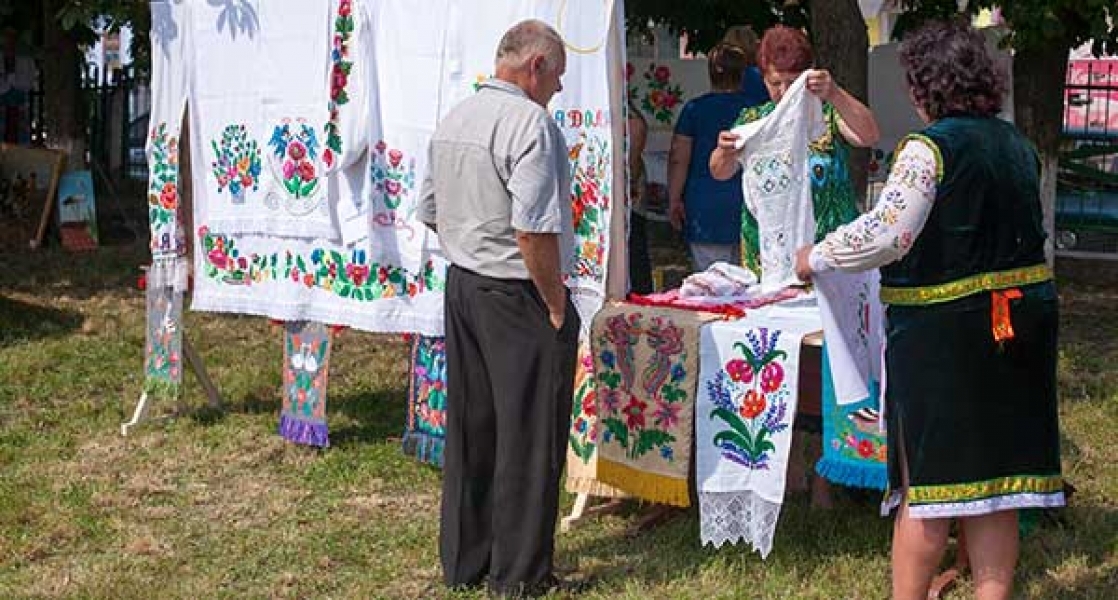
<point x="216" y="505"/>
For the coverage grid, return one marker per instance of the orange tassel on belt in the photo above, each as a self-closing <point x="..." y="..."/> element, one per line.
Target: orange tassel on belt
<point x="1002" y="326"/>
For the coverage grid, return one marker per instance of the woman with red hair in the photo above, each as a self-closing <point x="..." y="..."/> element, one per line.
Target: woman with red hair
<point x="784" y="54"/>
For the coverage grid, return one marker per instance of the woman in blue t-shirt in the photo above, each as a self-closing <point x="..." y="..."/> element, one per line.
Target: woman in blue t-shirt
<point x="708" y="211"/>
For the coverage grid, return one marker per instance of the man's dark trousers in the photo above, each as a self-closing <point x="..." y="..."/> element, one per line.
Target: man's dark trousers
<point x="510" y="384"/>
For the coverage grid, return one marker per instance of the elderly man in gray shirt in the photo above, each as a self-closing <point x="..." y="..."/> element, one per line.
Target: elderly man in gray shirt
<point x="497" y="194"/>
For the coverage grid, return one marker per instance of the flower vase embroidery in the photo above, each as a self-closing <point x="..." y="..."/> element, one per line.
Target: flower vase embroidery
<point x="236" y="164"/>
<point x="294" y="157"/>
<point x="662" y="96"/>
<point x="393" y="177"/>
<point x="163" y="190"/>
<point x="590" y="202"/>
<point x="751" y="397"/>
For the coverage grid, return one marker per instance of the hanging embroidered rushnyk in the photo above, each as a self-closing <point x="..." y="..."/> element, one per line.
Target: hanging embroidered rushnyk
<point x="306" y="366"/>
<point x="425" y="431"/>
<point x="775" y="182"/>
<point x="379" y="270"/>
<point x="854" y="441"/>
<point x="747" y="398"/>
<point x="261" y="150"/>
<point x="171" y="52"/>
<point x="586" y="433"/>
<point x="646" y="371"/>
<point x="163" y="348"/>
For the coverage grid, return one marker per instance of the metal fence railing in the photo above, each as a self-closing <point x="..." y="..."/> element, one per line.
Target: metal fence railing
<point x="1087" y="183"/>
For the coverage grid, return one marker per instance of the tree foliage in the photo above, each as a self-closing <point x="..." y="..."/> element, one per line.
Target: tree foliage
<point x="1033" y="23"/>
<point x="705" y="21"/>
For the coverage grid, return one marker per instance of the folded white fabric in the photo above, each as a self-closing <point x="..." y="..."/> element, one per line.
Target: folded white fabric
<point x="721" y="281"/>
<point x="853" y="327"/>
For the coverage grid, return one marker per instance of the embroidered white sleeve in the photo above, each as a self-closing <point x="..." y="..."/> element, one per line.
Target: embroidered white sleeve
<point x="886" y="233"/>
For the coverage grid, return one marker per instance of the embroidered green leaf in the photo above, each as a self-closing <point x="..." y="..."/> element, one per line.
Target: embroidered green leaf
<point x="292" y="186"/>
<point x="735" y="438"/>
<point x="301" y="264"/>
<point x="773" y="355"/>
<point x="652" y="438"/>
<point x="618" y="430"/>
<point x="346" y="290"/>
<point x="308" y="188"/>
<point x="612" y="379"/>
<point x="731" y="419"/>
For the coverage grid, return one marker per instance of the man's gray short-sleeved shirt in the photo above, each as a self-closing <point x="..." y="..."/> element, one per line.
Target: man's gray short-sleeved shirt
<point x="497" y="164"/>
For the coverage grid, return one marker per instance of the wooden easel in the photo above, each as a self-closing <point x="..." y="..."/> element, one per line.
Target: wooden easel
<point x="198" y="367"/>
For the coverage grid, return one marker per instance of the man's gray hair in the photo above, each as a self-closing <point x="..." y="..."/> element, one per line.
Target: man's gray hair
<point x="527" y="39"/>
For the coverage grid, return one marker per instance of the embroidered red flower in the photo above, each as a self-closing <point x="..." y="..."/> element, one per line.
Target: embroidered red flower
<point x="218" y="258"/>
<point x="866" y="448"/>
<point x="306" y="171"/>
<point x="590" y="404"/>
<point x="328" y="157"/>
<point x="169" y="197"/>
<point x="308" y="280"/>
<point x="392" y="187"/>
<point x="739" y="370"/>
<point x="753" y="405"/>
<point x="288" y="169"/>
<point x="662" y="74"/>
<point x="629" y="70"/>
<point x="296" y="150"/>
<point x="772" y="375"/>
<point x="358" y="274"/>
<point x="394" y="157"/>
<point x="344" y="8"/>
<point x="634" y="413"/>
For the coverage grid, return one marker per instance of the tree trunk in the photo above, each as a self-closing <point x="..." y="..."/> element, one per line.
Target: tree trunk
<point x="1038" y="73"/>
<point x="842" y="47"/>
<point x="63" y="106"/>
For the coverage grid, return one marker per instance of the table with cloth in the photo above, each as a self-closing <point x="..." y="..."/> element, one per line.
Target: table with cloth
<point x="680" y="404"/>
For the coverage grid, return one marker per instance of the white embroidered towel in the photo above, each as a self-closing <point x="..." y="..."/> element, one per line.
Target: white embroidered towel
<point x="172" y="64"/>
<point x="259" y="108"/>
<point x="853" y="329"/>
<point x="748" y="390"/>
<point x="775" y="181"/>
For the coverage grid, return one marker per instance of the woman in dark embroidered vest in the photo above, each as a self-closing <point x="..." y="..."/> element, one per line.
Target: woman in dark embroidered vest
<point x="971" y="319"/>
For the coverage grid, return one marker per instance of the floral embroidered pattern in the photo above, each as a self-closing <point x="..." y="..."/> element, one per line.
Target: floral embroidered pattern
<point x="393" y="177"/>
<point x="662" y="96"/>
<point x="295" y="149"/>
<point x="590" y="202"/>
<point x="163" y="188"/>
<point x="163" y="352"/>
<point x="429" y="379"/>
<point x="642" y="422"/>
<point x="348" y="276"/>
<point x="891" y="227"/>
<point x="237" y="162"/>
<point x="584" y="413"/>
<point x="305" y="375"/>
<point x="751" y="397"/>
<point x="339" y="77"/>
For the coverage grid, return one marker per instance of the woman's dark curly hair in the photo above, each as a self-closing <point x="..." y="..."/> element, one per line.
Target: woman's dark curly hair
<point x="950" y="71"/>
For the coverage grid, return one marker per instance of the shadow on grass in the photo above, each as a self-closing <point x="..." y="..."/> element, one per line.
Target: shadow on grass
<point x="804" y="536"/>
<point x="1072" y="556"/>
<point x="55" y="272"/>
<point x="23" y="322"/>
<point x="369" y="417"/>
